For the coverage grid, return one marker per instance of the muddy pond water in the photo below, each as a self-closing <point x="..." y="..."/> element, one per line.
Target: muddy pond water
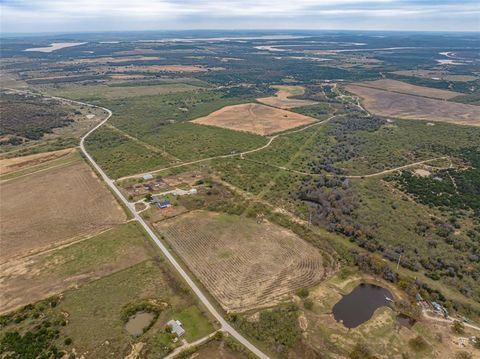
<point x="358" y="306"/>
<point x="137" y="322"/>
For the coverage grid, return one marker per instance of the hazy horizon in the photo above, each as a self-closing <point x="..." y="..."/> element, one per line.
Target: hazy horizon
<point x="86" y="16"/>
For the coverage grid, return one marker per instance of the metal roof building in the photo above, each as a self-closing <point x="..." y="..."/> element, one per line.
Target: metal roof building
<point x="176" y="327"/>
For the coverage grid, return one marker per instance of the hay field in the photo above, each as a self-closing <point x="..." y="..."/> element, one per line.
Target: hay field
<point x="254" y="118"/>
<point x="392" y="104"/>
<point x="406" y="88"/>
<point x="282" y="98"/>
<point x="243" y="264"/>
<point x="43" y="208"/>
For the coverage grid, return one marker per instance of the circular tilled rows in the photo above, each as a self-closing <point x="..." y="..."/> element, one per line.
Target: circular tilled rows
<point x="243" y="272"/>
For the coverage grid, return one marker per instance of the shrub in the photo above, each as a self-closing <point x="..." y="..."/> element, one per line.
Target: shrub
<point x="308" y="303"/>
<point x="458" y="327"/>
<point x="303" y="293"/>
<point x="418" y="343"/>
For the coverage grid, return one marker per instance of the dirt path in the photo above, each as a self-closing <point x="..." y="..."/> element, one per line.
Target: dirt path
<point x="271" y="139"/>
<point x="376" y="174"/>
<point x="142" y="143"/>
<point x="187" y="346"/>
<point x="427" y="315"/>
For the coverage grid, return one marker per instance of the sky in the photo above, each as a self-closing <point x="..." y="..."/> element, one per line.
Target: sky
<point x="65" y="16"/>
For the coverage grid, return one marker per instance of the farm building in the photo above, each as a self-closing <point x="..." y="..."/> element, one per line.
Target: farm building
<point x="176" y="327"/>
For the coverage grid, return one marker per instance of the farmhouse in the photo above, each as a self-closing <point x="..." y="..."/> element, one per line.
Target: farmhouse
<point x="161" y="203"/>
<point x="176" y="327"/>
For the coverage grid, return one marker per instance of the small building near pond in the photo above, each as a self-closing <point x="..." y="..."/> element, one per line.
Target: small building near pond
<point x="176" y="327"/>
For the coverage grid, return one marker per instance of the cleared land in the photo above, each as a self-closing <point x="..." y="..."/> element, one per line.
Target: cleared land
<point x="403" y="87"/>
<point x="243" y="264"/>
<point x="55" y="46"/>
<point x="392" y="104"/>
<point x="29" y="279"/>
<point x="18" y="163"/>
<point x="282" y="100"/>
<point x="53" y="205"/>
<point x="436" y="75"/>
<point x="255" y="118"/>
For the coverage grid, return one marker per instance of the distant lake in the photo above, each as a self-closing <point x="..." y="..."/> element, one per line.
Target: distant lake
<point x="358" y="306"/>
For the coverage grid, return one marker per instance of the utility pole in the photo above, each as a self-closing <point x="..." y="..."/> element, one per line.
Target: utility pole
<point x="398" y="263"/>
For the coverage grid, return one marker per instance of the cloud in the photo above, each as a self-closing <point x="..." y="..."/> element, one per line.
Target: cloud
<point x="99" y="15"/>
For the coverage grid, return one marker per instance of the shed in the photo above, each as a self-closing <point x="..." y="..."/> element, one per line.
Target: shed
<point x="176" y="327"/>
<point x="147" y="176"/>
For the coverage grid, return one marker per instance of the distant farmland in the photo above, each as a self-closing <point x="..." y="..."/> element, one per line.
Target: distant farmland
<point x="255" y="118"/>
<point x="242" y="263"/>
<point x="397" y="105"/>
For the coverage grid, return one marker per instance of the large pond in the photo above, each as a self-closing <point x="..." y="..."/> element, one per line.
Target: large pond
<point x="359" y="305"/>
<point x="139" y="321"/>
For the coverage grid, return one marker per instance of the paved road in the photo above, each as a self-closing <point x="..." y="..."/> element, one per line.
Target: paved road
<point x="224" y="324"/>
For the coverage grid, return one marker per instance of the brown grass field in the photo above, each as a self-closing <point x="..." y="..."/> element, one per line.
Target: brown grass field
<point x="52" y="205"/>
<point x="282" y="100"/>
<point x="392" y="104"/>
<point x="406" y="88"/>
<point x="242" y="263"/>
<point x="255" y="118"/>
<point x="28" y="279"/>
<point x="8" y="165"/>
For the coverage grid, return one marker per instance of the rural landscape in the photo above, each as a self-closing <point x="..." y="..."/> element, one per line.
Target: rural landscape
<point x="242" y="194"/>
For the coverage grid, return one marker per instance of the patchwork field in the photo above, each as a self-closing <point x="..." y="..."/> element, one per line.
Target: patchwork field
<point x="242" y="263"/>
<point x="392" y="104"/>
<point x="406" y="88"/>
<point x="282" y="98"/>
<point x="52" y="205"/>
<point x="255" y="118"/>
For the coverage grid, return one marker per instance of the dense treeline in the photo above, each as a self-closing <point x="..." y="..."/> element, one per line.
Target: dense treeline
<point x="30" y="117"/>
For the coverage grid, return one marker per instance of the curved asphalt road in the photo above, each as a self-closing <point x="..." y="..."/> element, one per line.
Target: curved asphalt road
<point x="224" y="324"/>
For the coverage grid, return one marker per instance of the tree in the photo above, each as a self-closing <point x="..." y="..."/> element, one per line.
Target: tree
<point x="148" y="197"/>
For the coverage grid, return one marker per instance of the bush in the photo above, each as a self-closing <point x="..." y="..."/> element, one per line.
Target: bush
<point x="303" y="293"/>
<point x="308" y="303"/>
<point x="360" y="351"/>
<point x="67" y="341"/>
<point x="418" y="343"/>
<point x="458" y="327"/>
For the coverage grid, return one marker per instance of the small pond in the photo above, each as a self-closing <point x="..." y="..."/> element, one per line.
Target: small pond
<point x="405" y="321"/>
<point x="358" y="306"/>
<point x="139" y="321"/>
